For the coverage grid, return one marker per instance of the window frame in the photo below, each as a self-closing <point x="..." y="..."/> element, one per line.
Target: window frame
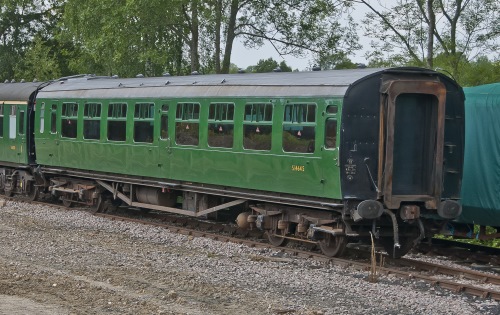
<point x="92" y="111"/>
<point x="69" y="113"/>
<point x="299" y="117"/>
<point x="331" y="116"/>
<point x="164" y="112"/>
<point x="119" y="113"/>
<point x="223" y="115"/>
<point x="184" y="115"/>
<point x="256" y="120"/>
<point x="2" y="121"/>
<point x="53" y="119"/>
<point x="144" y="112"/>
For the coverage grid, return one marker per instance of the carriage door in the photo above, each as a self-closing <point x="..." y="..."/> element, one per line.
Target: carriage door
<point x="414" y="140"/>
<point x="165" y="141"/>
<point x="21" y="131"/>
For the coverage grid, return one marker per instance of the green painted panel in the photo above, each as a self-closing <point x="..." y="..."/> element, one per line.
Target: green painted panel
<point x="13" y="141"/>
<point x="312" y="174"/>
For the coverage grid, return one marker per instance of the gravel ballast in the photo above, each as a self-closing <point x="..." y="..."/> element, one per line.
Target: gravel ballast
<point x="55" y="261"/>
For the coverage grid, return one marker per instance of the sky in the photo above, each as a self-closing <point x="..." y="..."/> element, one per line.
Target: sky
<point x="244" y="57"/>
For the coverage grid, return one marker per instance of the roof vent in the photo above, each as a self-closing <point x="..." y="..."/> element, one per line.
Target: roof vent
<point x="140" y="75"/>
<point x="195" y="73"/>
<point x="167" y="83"/>
<point x="6" y="81"/>
<point x="166" y="74"/>
<point x="13" y="81"/>
<point x="35" y="80"/>
<point x="223" y="81"/>
<point x="241" y="70"/>
<point x="316" y="68"/>
<point x="115" y="76"/>
<point x="277" y="69"/>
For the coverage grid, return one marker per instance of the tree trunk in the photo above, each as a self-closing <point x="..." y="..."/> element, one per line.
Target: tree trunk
<point x="430" y="34"/>
<point x="218" y="22"/>
<point x="231" y="28"/>
<point x="195" y="61"/>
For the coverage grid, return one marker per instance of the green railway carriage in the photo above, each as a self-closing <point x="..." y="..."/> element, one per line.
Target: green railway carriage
<point x="16" y="134"/>
<point x="262" y="138"/>
<point x="322" y="157"/>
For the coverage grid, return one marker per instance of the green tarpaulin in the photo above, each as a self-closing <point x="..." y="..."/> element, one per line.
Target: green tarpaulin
<point x="481" y="179"/>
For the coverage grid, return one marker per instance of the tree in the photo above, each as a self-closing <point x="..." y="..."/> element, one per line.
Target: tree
<point x="410" y="33"/>
<point x="21" y="22"/>
<point x="270" y="65"/>
<point x="38" y="63"/>
<point x="478" y="72"/>
<point x="128" y="37"/>
<point x="292" y="27"/>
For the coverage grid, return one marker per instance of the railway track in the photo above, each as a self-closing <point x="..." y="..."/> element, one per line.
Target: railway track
<point x="485" y="285"/>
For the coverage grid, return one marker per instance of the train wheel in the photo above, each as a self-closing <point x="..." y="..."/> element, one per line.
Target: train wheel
<point x="8" y="192"/>
<point x="66" y="200"/>
<point x="276" y="240"/>
<point x="333" y="245"/>
<point x="34" y="192"/>
<point x="388" y="244"/>
<point x="100" y="205"/>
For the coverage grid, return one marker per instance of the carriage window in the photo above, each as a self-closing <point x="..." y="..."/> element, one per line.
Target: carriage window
<point x="13" y="122"/>
<point x="221" y="125"/>
<point x="92" y="121"/>
<point x="164" y="122"/>
<point x="144" y="122"/>
<point x="331" y="133"/>
<point x="21" y="122"/>
<point x="299" y="128"/>
<point x="258" y="126"/>
<point x="1" y="120"/>
<point x="187" y="120"/>
<point x="53" y="115"/>
<point x="333" y="109"/>
<point x="117" y="122"/>
<point x="69" y="120"/>
<point x="42" y="118"/>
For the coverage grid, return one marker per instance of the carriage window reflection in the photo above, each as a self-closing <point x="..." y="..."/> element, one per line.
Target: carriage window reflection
<point x="53" y="116"/>
<point x="187" y="120"/>
<point x="331" y="133"/>
<point x="221" y="125"/>
<point x="164" y="122"/>
<point x="69" y="120"/>
<point x="299" y="128"/>
<point x="92" y="121"/>
<point x="257" y="126"/>
<point x="117" y="122"/>
<point x="144" y="122"/>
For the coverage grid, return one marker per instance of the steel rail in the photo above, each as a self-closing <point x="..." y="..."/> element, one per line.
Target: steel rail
<point x="362" y="266"/>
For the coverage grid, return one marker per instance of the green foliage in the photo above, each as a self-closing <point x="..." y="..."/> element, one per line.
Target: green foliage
<point x="489" y="230"/>
<point x="479" y="72"/>
<point x="21" y="22"/>
<point x="127" y="37"/>
<point x="269" y="65"/>
<point x="38" y="63"/>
